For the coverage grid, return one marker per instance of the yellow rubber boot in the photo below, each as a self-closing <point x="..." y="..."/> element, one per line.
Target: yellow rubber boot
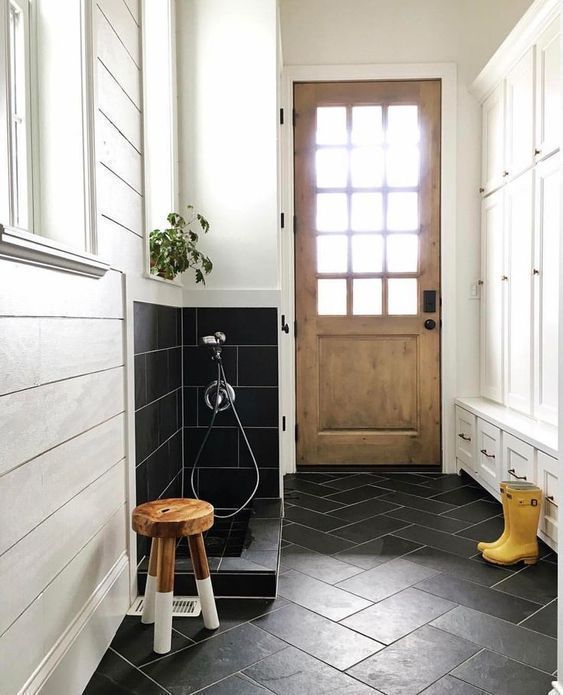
<point x="482" y="546"/>
<point x="522" y="543"/>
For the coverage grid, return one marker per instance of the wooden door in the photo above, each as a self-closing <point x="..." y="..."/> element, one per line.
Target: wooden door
<point x="367" y="255"/>
<point x="492" y="296"/>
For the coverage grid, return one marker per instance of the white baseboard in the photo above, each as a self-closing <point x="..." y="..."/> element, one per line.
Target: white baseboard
<point x="68" y="666"/>
<point x="557" y="688"/>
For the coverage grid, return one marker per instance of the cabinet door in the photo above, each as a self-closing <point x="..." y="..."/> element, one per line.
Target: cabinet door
<point x="548" y="90"/>
<point x="519" y="224"/>
<point x="465" y="437"/>
<point x="517" y="459"/>
<point x="493" y="140"/>
<point x="488" y="453"/>
<point x="546" y="291"/>
<point x="492" y="296"/>
<point x="547" y="479"/>
<point x="519" y="122"/>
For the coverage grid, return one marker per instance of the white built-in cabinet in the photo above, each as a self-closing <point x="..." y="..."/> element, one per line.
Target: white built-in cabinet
<point x="519" y="135"/>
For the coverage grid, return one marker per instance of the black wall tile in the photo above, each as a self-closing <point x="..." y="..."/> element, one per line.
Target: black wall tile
<point x="221" y="448"/>
<point x="251" y="326"/>
<point x="145" y="327"/>
<point x="226" y="487"/>
<point x="257" y="366"/>
<point x="140" y="381"/>
<point x="141" y="483"/>
<point x="189" y="326"/>
<point x="146" y="431"/>
<point x="200" y="369"/>
<point x="174" y="368"/>
<point x="157" y="374"/>
<point x="168" y="333"/>
<point x="269" y="483"/>
<point x="265" y="445"/>
<point x="168" y="420"/>
<point x="190" y="406"/>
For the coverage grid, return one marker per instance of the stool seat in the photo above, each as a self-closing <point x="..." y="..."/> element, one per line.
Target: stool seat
<point x="172" y="518"/>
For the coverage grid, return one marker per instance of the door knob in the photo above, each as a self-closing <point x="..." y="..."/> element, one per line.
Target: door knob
<point x="429" y="324"/>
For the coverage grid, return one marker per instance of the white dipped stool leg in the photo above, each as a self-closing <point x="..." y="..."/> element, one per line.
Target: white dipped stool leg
<point x="150" y="588"/>
<point x="203" y="582"/>
<point x="164" y="596"/>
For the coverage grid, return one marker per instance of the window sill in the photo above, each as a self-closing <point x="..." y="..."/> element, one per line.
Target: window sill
<point x="16" y="244"/>
<point x="177" y="282"/>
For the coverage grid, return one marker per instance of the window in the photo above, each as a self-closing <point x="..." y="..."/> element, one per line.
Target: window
<point x="47" y="213"/>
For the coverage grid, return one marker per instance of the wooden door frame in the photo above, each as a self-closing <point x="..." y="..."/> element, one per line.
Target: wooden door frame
<point x="447" y="74"/>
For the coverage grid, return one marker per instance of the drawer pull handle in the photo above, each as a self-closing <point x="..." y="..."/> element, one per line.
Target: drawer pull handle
<point x="512" y="472"/>
<point x="464" y="437"/>
<point x="552" y="501"/>
<point x="490" y="456"/>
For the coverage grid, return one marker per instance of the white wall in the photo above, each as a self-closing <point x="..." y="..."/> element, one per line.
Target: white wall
<point x="227" y="133"/>
<point x="65" y="386"/>
<point x="465" y="32"/>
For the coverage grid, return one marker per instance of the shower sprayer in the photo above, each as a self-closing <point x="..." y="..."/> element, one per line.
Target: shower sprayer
<point x="219" y="396"/>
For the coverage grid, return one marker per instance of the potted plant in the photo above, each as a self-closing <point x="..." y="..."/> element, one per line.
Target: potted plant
<point x="173" y="250"/>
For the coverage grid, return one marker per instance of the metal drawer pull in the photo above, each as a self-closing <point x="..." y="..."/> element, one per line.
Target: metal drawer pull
<point x="490" y="456"/>
<point x="552" y="501"/>
<point x="464" y="437"/>
<point x="512" y="472"/>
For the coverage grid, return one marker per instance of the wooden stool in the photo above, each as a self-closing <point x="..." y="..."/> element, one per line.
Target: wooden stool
<point x="165" y="521"/>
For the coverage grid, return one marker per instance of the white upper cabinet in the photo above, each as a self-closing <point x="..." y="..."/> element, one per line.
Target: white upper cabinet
<point x="492" y="167"/>
<point x="519" y="116"/>
<point x="546" y="291"/>
<point x="548" y="88"/>
<point x="518" y="235"/>
<point x="492" y="304"/>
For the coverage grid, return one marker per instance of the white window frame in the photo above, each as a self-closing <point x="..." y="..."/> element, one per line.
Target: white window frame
<point x="28" y="245"/>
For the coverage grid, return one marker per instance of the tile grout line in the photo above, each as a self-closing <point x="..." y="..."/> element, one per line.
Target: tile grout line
<point x="110" y="648"/>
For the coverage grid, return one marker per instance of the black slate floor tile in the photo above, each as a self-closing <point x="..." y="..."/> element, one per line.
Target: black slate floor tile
<point x="408" y="488"/>
<point x="320" y="637"/>
<point x="134" y="640"/>
<point x="292" y="672"/>
<point x="425" y="505"/>
<point x="310" y="488"/>
<point x="358" y="494"/>
<point x="351" y="481"/>
<point x="377" y="551"/>
<point x="114" y="675"/>
<point x="317" y="504"/>
<point x="474" y="571"/>
<point x="544" y="621"/>
<point x="481" y="598"/>
<point x="327" y="600"/>
<point x="502" y="676"/>
<point x="398" y="615"/>
<point x="506" y="638"/>
<point x="315" y="540"/>
<point x="452" y="686"/>
<point x="447" y="482"/>
<point x="387" y="579"/>
<point x="364" y="510"/>
<point x="463" y="495"/>
<point x="416" y="516"/>
<point x="366" y="530"/>
<point x="474" y="512"/>
<point x="413" y="478"/>
<point x="438" y="539"/>
<point x="324" y="567"/>
<point x="235" y="685"/>
<point x="203" y="664"/>
<point x="487" y="531"/>
<point x="414" y="662"/>
<point x="316" y="520"/>
<point x="536" y="583"/>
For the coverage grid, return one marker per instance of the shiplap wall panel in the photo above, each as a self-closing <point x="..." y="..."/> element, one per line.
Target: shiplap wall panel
<point x="124" y="25"/>
<point x="36" y="420"/>
<point x="52" y="479"/>
<point x="121" y="247"/>
<point x="30" y="565"/>
<point x="134" y="6"/>
<point x="38" y="351"/>
<point x="117" y="60"/>
<point x="21" y="649"/>
<point x="26" y="290"/>
<point x="118" y="201"/>
<point x="118" y="154"/>
<point x="118" y="108"/>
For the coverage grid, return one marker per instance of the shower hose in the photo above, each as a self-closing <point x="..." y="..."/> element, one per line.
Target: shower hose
<point x="222" y="380"/>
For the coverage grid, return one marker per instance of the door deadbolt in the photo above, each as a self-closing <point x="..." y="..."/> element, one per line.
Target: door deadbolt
<point x="430" y="324"/>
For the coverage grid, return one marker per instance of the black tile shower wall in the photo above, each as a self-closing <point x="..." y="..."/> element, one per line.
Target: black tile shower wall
<point x="225" y="474"/>
<point x="158" y="404"/>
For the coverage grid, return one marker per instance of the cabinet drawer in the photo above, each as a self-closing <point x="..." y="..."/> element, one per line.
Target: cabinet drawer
<point x="547" y="479"/>
<point x="518" y="459"/>
<point x="465" y="437"/>
<point x="488" y="453"/>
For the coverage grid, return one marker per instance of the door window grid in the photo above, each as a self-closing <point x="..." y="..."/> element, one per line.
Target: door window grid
<point x="375" y="272"/>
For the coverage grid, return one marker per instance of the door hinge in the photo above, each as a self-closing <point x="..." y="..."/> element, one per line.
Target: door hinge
<point x="296" y="431"/>
<point x="283" y="423"/>
<point x="293" y="117"/>
<point x="295" y="329"/>
<point x="281" y="116"/>
<point x="282" y="220"/>
<point x="295" y="224"/>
